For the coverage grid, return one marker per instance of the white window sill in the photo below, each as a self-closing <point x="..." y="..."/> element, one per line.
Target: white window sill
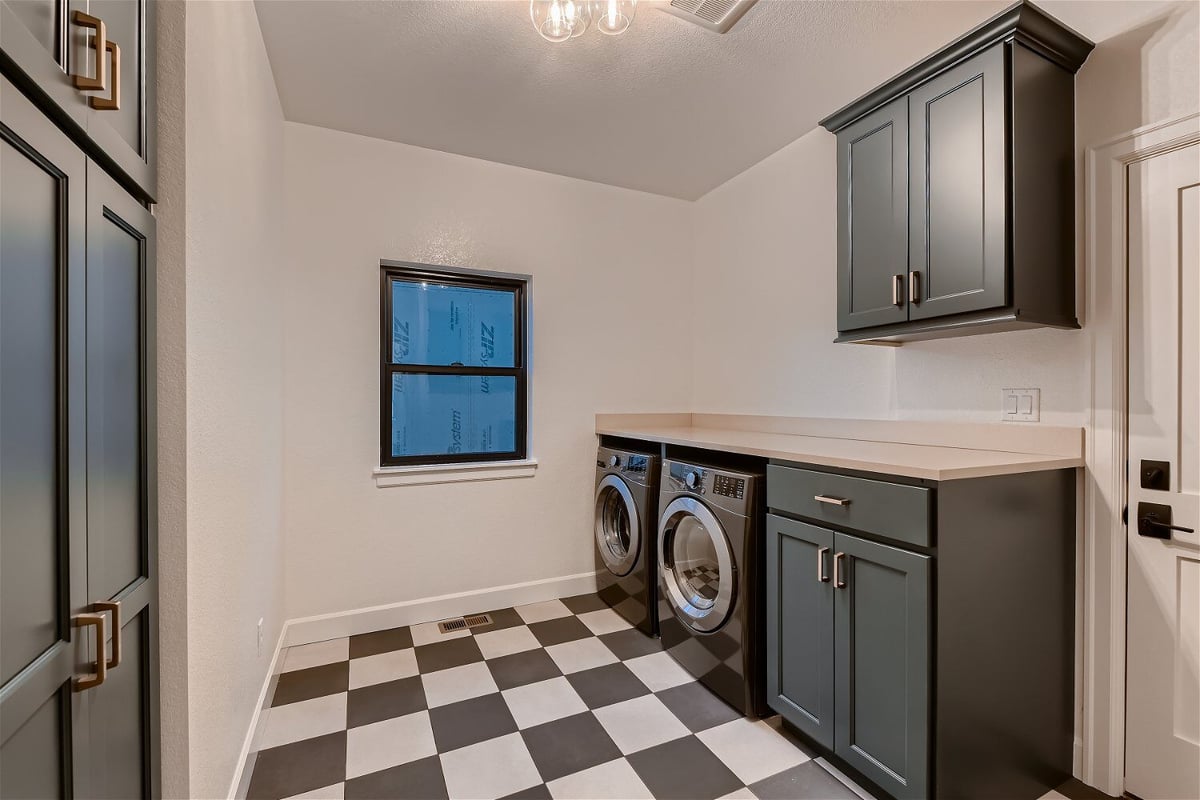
<point x="454" y="473"/>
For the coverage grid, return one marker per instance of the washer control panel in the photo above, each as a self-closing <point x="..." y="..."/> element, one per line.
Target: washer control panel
<point x="729" y="486"/>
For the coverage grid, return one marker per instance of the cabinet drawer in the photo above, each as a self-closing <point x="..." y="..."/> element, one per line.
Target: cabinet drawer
<point x="887" y="509"/>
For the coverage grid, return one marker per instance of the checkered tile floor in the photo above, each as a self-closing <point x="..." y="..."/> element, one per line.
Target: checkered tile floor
<point x="561" y="699"/>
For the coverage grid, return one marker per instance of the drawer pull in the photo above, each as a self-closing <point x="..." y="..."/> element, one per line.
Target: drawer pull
<point x="833" y="501"/>
<point x="838" y="583"/>
<point x="821" y="576"/>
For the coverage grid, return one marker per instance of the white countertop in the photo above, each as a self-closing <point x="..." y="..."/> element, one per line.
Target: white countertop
<point x="924" y="450"/>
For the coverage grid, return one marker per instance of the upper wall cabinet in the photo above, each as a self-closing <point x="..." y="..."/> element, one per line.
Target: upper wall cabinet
<point x="90" y="64"/>
<point x="956" y="188"/>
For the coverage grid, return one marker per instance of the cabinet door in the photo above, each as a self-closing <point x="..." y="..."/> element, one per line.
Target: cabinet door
<point x="43" y="533"/>
<point x="126" y="133"/>
<point x="43" y="47"/>
<point x="872" y="174"/>
<point x="121" y="507"/>
<point x="800" y="625"/>
<point x="958" y="196"/>
<point x="881" y="633"/>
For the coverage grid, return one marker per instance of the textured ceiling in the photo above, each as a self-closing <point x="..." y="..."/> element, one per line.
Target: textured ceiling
<point x="667" y="107"/>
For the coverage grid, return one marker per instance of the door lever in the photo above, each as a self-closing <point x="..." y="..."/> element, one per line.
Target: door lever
<point x="1154" y="521"/>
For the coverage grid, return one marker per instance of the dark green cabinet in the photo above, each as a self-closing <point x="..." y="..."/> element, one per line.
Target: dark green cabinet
<point x="956" y="188"/>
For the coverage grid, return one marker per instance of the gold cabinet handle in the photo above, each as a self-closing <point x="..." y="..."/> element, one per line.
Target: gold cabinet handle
<point x="821" y="576"/>
<point x="115" y="608"/>
<point x="99" y="622"/>
<point x="831" y="501"/>
<point x="897" y="290"/>
<point x="113" y="101"/>
<point x="838" y="583"/>
<point x="99" y="43"/>
<point x="914" y="287"/>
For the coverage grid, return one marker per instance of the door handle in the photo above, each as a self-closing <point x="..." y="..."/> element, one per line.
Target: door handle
<point x="99" y="42"/>
<point x="1154" y="521"/>
<point x="838" y="583"/>
<point x="897" y="290"/>
<point x="94" y="679"/>
<point x="113" y="101"/>
<point x="115" y="608"/>
<point x="914" y="287"/>
<point x="821" y="576"/>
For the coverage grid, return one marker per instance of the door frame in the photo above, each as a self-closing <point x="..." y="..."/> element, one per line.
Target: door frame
<point x="1100" y="756"/>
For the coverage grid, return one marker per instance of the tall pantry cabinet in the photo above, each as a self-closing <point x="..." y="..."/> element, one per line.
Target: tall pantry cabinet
<point x="78" y="514"/>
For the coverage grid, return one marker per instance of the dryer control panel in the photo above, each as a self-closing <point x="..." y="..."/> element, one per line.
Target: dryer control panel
<point x="729" y="486"/>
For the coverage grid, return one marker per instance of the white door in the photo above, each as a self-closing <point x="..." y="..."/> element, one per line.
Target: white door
<point x="1162" y="751"/>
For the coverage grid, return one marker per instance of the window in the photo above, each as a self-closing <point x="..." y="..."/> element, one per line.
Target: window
<point x="454" y="372"/>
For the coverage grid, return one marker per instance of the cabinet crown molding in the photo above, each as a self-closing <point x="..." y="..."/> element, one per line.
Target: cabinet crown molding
<point x="1022" y="22"/>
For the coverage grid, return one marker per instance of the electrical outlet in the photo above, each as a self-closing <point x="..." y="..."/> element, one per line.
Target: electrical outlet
<point x="260" y="635"/>
<point x="1021" y="405"/>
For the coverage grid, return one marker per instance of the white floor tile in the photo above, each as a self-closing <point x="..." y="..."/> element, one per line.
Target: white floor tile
<point x="614" y="780"/>
<point x="659" y="671"/>
<point x="752" y="750"/>
<point x="304" y="720"/>
<point x="490" y="769"/>
<point x="303" y="656"/>
<point x="580" y="655"/>
<point x="395" y="741"/>
<point x="458" y="683"/>
<point x="382" y="667"/>
<point x="640" y="723"/>
<point x="539" y="612"/>
<point x="335" y="792"/>
<point x="428" y="633"/>
<point x="604" y="621"/>
<point x="544" y="701"/>
<point x="506" y="641"/>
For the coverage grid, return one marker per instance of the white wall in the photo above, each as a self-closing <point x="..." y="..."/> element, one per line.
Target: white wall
<point x="611" y="307"/>
<point x="234" y="358"/>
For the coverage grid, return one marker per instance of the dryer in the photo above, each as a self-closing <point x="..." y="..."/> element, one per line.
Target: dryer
<point x="711" y="579"/>
<point x="626" y="514"/>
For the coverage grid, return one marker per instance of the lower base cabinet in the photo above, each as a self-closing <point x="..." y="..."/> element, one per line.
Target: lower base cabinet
<point x="929" y="656"/>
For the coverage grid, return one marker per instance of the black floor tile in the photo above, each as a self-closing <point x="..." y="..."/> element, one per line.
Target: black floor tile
<point x="369" y="644"/>
<point x="807" y="781"/>
<point x="519" y="669"/>
<point x="471" y="721"/>
<point x="384" y="701"/>
<point x="557" y="631"/>
<point x="1075" y="789"/>
<point x="603" y="686"/>
<point x="631" y="643"/>
<point x="583" y="603"/>
<point x="298" y="767"/>
<point x="568" y="745"/>
<point x="416" y="780"/>
<point x="501" y="619"/>
<point x="697" y="707"/>
<point x="539" y="792"/>
<point x="683" y="769"/>
<point x="305" y="684"/>
<point x="444" y="655"/>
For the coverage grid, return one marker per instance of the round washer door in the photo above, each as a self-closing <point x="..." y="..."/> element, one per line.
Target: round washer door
<point x="697" y="567"/>
<point x="618" y="527"/>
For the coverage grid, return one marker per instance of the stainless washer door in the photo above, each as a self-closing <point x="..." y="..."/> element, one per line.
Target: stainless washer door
<point x="618" y="527"/>
<point x="697" y="566"/>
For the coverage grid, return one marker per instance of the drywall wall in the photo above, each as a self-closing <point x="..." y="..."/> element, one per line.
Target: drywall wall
<point x="611" y="316"/>
<point x="234" y="389"/>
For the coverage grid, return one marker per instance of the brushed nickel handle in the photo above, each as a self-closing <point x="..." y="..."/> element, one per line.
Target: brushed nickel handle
<point x="914" y="287"/>
<point x="113" y="101"/>
<point x="897" y="290"/>
<point x="94" y="679"/>
<point x="821" y="576"/>
<point x="838" y="583"/>
<point x="99" y="42"/>
<point x="832" y="501"/>
<point x="115" y="608"/>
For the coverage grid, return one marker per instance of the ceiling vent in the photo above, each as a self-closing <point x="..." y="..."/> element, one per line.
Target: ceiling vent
<point x="715" y="15"/>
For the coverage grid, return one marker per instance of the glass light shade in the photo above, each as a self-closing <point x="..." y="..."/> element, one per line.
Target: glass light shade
<point x="550" y="19"/>
<point x="613" y="16"/>
<point x="579" y="15"/>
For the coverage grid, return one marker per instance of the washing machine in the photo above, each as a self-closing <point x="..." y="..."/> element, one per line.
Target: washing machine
<point x="711" y="579"/>
<point x="626" y="513"/>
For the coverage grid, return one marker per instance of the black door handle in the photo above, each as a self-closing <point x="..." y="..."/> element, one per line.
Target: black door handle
<point x="1154" y="520"/>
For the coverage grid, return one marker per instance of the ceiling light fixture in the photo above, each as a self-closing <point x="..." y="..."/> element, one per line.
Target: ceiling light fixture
<point x="559" y="20"/>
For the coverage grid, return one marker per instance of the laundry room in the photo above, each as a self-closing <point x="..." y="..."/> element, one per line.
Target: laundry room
<point x="584" y="399"/>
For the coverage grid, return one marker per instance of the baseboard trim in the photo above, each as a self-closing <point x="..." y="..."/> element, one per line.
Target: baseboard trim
<point x="241" y="776"/>
<point x="428" y="609"/>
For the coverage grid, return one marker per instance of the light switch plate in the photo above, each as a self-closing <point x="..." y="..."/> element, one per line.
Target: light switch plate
<point x="1021" y="405"/>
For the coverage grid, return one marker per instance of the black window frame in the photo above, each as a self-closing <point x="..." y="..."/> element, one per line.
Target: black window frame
<point x="472" y="279"/>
